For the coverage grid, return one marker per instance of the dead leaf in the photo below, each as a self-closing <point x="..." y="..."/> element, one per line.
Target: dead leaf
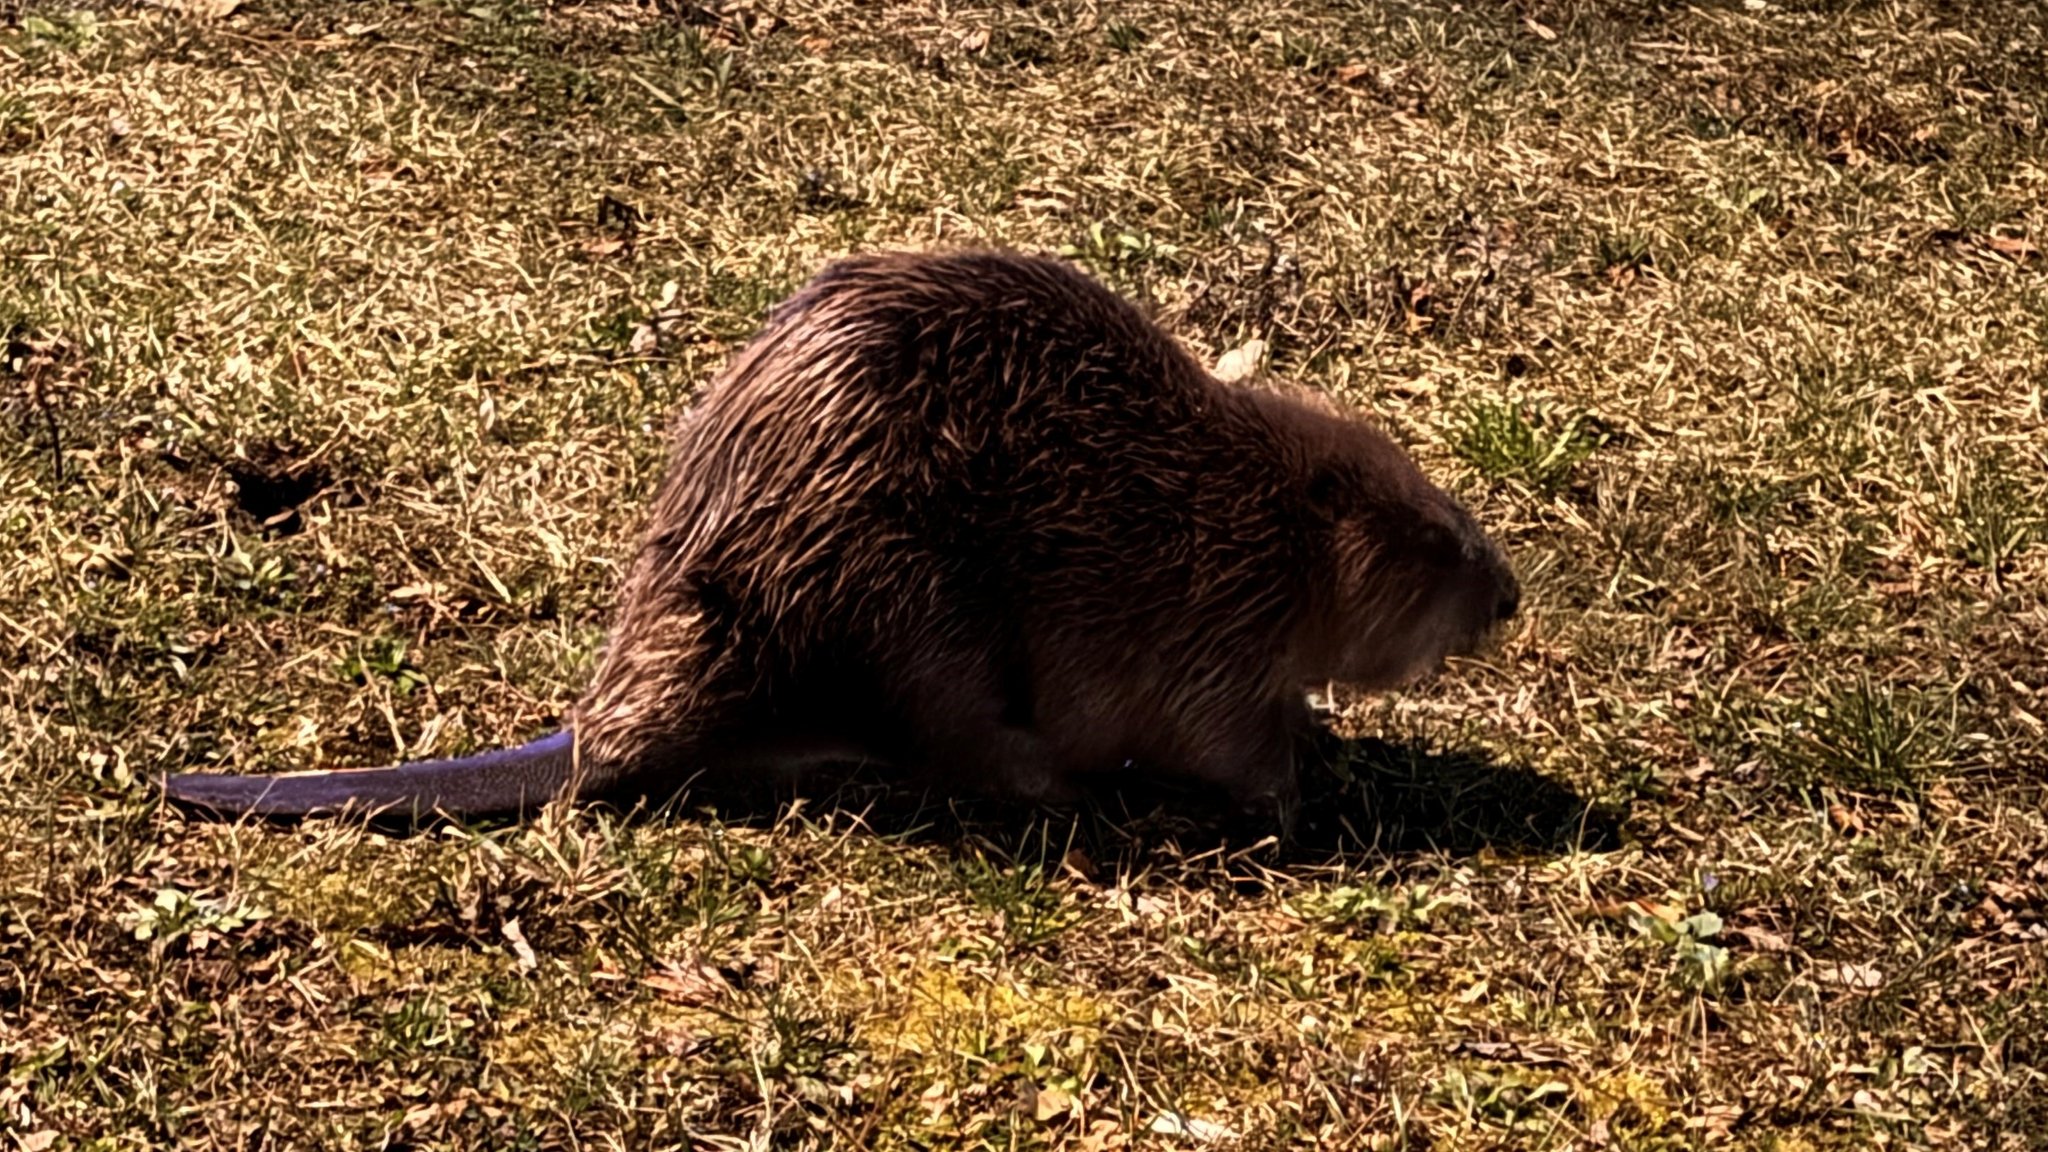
<point x="202" y="9"/>
<point x="693" y="985"/>
<point x="2017" y="247"/>
<point x="680" y="1043"/>
<point x="2009" y="893"/>
<point x="1762" y="940"/>
<point x="1204" y="1131"/>
<point x="603" y="246"/>
<point x="1349" y="72"/>
<point x="1051" y="1103"/>
<point x="1103" y="1136"/>
<point x="1862" y="977"/>
<point x="1240" y="362"/>
<point x="520" y="948"/>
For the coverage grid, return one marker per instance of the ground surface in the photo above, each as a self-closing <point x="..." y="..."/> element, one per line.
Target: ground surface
<point x="339" y="338"/>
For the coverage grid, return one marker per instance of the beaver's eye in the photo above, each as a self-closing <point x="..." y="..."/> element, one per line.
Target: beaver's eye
<point x="1436" y="543"/>
<point x="1323" y="490"/>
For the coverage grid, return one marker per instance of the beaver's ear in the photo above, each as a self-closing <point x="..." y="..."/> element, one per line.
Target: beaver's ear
<point x="1325" y="492"/>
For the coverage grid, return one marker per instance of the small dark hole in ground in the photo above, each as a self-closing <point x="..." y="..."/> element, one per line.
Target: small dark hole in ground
<point x="273" y="482"/>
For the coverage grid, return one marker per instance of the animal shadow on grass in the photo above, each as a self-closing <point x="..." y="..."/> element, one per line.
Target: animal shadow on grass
<point x="1361" y="796"/>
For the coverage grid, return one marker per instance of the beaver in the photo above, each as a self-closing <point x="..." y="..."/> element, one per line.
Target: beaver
<point x="973" y="514"/>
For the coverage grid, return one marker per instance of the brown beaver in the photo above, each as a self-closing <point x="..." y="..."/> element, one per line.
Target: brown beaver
<point x="974" y="515"/>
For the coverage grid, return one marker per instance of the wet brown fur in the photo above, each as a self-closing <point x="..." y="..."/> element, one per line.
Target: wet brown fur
<point x="973" y="514"/>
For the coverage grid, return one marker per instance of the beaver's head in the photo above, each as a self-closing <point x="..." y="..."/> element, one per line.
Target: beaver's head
<point x="1411" y="577"/>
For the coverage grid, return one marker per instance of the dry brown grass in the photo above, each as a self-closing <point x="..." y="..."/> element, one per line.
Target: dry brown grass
<point x="338" y="338"/>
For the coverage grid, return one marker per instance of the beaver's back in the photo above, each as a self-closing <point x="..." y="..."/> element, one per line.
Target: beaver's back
<point x="976" y="428"/>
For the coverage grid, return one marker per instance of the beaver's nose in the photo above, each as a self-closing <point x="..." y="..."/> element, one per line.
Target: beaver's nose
<point x="1508" y="593"/>
<point x="1508" y="605"/>
<point x="1509" y="599"/>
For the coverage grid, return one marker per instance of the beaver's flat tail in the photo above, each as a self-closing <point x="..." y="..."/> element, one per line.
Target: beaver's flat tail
<point x="505" y="782"/>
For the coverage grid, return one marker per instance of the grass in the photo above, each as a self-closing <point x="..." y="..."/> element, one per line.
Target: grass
<point x="337" y="343"/>
<point x="1503" y="442"/>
